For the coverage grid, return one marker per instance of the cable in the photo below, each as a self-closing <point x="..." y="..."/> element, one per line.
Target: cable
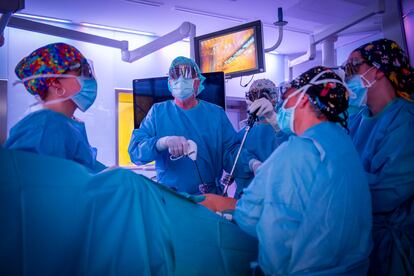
<point x="245" y="85"/>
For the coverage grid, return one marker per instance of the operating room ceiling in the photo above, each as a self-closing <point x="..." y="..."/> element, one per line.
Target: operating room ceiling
<point x="162" y="16"/>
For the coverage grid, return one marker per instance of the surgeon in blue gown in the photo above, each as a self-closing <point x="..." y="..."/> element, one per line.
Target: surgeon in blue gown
<point x="309" y="203"/>
<point x="265" y="136"/>
<point x="62" y="80"/>
<point x="165" y="132"/>
<point x="383" y="134"/>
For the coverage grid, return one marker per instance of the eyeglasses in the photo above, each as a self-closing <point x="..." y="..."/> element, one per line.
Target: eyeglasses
<point x="351" y="67"/>
<point x="185" y="71"/>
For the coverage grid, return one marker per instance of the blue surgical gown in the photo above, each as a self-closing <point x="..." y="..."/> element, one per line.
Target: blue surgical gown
<point x="309" y="206"/>
<point x="385" y="143"/>
<point x="208" y="126"/>
<point x="261" y="140"/>
<point x="51" y="133"/>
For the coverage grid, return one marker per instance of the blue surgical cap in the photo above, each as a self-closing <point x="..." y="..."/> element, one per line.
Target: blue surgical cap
<point x="189" y="62"/>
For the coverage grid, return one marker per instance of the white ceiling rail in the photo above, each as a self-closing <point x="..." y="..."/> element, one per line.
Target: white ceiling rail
<point x="376" y="8"/>
<point x="186" y="29"/>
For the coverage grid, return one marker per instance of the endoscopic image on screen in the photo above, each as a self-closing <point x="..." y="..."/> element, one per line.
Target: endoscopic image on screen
<point x="229" y="53"/>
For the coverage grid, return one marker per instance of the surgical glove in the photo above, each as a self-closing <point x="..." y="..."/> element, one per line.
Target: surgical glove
<point x="254" y="164"/>
<point x="263" y="107"/>
<point x="176" y="145"/>
<point x="218" y="203"/>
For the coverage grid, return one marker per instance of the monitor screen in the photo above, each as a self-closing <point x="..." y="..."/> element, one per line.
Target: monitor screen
<point x="155" y="90"/>
<point x="236" y="51"/>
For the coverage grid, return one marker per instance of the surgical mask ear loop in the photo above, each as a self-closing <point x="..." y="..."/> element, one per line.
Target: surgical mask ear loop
<point x="368" y="83"/>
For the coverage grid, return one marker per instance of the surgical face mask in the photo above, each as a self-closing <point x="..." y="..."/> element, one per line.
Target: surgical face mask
<point x="87" y="81"/>
<point x="359" y="91"/>
<point x="87" y="95"/>
<point x="358" y="96"/>
<point x="182" y="88"/>
<point x="83" y="99"/>
<point x="285" y="117"/>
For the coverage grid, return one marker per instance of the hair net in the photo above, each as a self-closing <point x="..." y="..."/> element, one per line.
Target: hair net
<point x="330" y="96"/>
<point x="388" y="57"/>
<point x="262" y="88"/>
<point x="191" y="63"/>
<point x="55" y="58"/>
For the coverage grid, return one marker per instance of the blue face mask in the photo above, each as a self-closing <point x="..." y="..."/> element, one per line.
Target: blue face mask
<point x="182" y="88"/>
<point x="359" y="89"/>
<point x="358" y="97"/>
<point x="285" y="117"/>
<point x="87" y="95"/>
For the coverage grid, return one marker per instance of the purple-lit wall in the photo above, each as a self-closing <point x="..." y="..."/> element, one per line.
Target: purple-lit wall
<point x="408" y="19"/>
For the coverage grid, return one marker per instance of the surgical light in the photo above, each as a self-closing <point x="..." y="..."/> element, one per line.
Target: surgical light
<point x="117" y="29"/>
<point x="45" y="18"/>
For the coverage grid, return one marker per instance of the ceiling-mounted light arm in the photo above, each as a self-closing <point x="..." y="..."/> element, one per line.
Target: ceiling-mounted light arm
<point x="4" y="20"/>
<point x="186" y="29"/>
<point x="33" y="26"/>
<point x="279" y="23"/>
<point x="191" y="37"/>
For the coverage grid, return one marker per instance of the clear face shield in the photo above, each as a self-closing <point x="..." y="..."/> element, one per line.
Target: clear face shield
<point x="87" y="70"/>
<point x="184" y="71"/>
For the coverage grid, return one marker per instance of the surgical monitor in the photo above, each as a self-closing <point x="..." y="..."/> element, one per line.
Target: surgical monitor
<point x="236" y="51"/>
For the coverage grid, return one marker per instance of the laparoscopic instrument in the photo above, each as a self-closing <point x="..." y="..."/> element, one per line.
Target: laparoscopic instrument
<point x="228" y="179"/>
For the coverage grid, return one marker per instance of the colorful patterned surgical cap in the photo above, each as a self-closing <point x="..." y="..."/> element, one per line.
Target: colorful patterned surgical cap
<point x="55" y="58"/>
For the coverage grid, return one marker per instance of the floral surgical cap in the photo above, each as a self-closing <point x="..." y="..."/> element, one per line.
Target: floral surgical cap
<point x="331" y="98"/>
<point x="55" y="58"/>
<point x="262" y="88"/>
<point x="388" y="57"/>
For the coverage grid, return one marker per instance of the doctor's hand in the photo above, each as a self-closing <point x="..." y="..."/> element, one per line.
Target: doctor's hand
<point x="264" y="108"/>
<point x="176" y="145"/>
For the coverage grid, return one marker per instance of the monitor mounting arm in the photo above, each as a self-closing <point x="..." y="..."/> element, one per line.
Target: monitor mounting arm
<point x="279" y="23"/>
<point x="186" y="29"/>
